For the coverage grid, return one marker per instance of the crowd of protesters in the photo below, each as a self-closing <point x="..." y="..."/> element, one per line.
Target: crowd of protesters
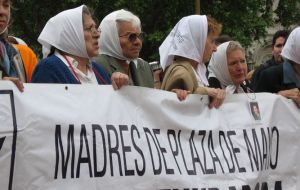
<point x="193" y="58"/>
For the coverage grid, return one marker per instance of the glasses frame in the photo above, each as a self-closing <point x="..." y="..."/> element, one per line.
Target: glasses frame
<point x="132" y="37"/>
<point x="92" y="30"/>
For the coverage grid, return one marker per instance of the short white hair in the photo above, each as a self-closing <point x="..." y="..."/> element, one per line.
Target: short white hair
<point x="127" y="16"/>
<point x="233" y="46"/>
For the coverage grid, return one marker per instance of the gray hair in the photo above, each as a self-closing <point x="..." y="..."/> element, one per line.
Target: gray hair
<point x="127" y="16"/>
<point x="86" y="11"/>
<point x="233" y="46"/>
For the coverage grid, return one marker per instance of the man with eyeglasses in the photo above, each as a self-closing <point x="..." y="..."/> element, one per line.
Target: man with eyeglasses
<point x="278" y="42"/>
<point x="120" y="45"/>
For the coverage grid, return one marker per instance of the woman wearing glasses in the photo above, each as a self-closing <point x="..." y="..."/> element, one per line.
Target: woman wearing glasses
<point x="121" y="43"/>
<point x="71" y="47"/>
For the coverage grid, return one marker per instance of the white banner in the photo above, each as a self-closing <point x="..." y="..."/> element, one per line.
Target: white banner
<point x="75" y="137"/>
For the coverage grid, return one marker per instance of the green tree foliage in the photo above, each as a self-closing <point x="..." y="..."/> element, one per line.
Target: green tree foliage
<point x="288" y="12"/>
<point x="245" y="20"/>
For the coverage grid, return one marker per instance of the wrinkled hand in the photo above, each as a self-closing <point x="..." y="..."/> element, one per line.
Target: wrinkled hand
<point x="181" y="94"/>
<point x="16" y="81"/>
<point x="118" y="80"/>
<point x="293" y="94"/>
<point x="217" y="97"/>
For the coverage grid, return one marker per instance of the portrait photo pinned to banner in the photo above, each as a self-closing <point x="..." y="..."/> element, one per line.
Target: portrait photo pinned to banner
<point x="255" y="110"/>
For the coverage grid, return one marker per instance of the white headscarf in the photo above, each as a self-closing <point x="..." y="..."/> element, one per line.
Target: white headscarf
<point x="291" y="49"/>
<point x="218" y="68"/>
<point x="65" y="32"/>
<point x="109" y="40"/>
<point x="187" y="39"/>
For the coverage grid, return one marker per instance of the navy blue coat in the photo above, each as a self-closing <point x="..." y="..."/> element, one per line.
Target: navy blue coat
<point x="53" y="70"/>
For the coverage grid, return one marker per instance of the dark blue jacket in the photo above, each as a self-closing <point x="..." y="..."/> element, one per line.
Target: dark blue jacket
<point x="53" y="70"/>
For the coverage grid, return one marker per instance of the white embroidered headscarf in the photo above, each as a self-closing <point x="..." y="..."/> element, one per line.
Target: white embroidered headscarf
<point x="109" y="40"/>
<point x="218" y="68"/>
<point x="187" y="39"/>
<point x="291" y="49"/>
<point x="65" y="32"/>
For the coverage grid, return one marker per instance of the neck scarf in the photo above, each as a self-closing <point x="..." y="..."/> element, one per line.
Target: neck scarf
<point x="291" y="49"/>
<point x="187" y="39"/>
<point x="65" y="32"/>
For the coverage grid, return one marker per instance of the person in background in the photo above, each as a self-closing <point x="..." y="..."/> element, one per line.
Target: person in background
<point x="121" y="42"/>
<point x="278" y="42"/>
<point x="72" y="46"/>
<point x="284" y="78"/>
<point x="182" y="56"/>
<point x="11" y="63"/>
<point x="228" y="68"/>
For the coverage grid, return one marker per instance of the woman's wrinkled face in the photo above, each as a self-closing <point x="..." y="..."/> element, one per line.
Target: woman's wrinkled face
<point x="237" y="66"/>
<point x="4" y="14"/>
<point x="91" y="36"/>
<point x="130" y="39"/>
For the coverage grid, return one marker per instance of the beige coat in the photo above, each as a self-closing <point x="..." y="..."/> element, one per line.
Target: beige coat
<point x="181" y="75"/>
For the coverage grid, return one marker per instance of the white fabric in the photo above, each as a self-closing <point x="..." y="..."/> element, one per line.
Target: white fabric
<point x="89" y="78"/>
<point x="65" y="32"/>
<point x="86" y="130"/>
<point x="19" y="40"/>
<point x="201" y="75"/>
<point x="231" y="89"/>
<point x="187" y="39"/>
<point x="218" y="66"/>
<point x="109" y="40"/>
<point x="291" y="49"/>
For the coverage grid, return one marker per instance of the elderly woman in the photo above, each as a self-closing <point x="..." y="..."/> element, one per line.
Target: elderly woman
<point x="72" y="45"/>
<point x="121" y="42"/>
<point x="183" y="54"/>
<point x="284" y="78"/>
<point x="228" y="68"/>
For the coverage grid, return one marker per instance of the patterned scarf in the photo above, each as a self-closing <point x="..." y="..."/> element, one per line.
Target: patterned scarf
<point x="5" y="62"/>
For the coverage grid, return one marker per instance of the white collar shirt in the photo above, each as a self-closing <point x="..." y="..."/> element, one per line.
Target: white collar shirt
<point x="89" y="78"/>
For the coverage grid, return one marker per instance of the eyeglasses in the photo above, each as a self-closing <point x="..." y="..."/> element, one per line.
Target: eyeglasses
<point x="92" y="29"/>
<point x="133" y="36"/>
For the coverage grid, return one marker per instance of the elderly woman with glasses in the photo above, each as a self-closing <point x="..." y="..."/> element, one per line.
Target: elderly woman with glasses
<point x="121" y="42"/>
<point x="71" y="48"/>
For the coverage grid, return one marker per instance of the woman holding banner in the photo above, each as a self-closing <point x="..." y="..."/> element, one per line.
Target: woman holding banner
<point x="69" y="49"/>
<point x="183" y="54"/>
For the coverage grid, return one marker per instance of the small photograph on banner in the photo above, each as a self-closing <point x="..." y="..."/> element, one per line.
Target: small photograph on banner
<point x="254" y="108"/>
